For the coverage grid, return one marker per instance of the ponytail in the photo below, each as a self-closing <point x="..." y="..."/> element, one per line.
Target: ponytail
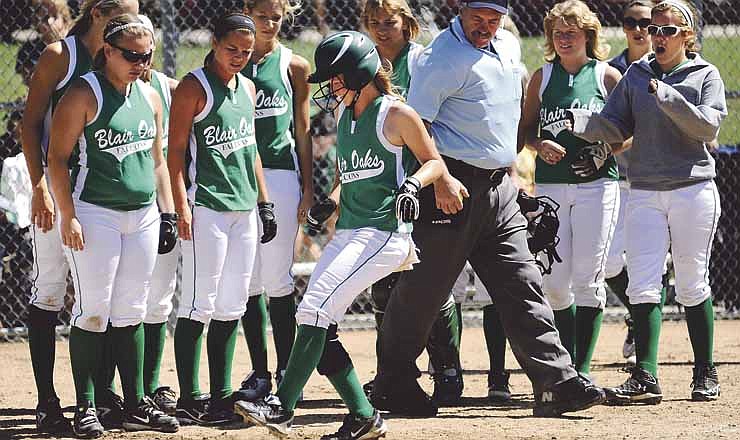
<point x="84" y="20"/>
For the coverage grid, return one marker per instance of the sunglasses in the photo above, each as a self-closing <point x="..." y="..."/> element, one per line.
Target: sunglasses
<point x="666" y="31"/>
<point x="134" y="57"/>
<point x="632" y="23"/>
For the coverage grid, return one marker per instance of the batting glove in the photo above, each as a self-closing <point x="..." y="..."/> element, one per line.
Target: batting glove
<point x="407" y="200"/>
<point x="269" y="225"/>
<point x="167" y="232"/>
<point x="318" y="214"/>
<point x="591" y="159"/>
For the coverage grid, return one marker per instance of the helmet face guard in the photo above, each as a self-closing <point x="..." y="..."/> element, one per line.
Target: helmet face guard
<point x="328" y="99"/>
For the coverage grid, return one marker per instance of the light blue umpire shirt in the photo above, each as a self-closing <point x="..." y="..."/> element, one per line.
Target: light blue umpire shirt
<point x="470" y="96"/>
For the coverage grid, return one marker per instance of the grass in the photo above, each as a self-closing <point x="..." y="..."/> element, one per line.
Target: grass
<point x="723" y="52"/>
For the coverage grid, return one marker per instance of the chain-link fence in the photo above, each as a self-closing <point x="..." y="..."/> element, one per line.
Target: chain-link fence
<point x="26" y="26"/>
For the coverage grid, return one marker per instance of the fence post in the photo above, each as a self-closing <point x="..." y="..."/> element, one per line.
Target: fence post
<point x="170" y="38"/>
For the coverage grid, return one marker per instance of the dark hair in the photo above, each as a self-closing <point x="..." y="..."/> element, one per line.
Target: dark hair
<point x="84" y="20"/>
<point x="127" y="24"/>
<point x="633" y="3"/>
<point x="228" y="23"/>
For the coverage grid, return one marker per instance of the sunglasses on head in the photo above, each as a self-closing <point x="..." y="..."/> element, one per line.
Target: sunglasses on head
<point x="133" y="56"/>
<point x="632" y="23"/>
<point x="667" y="31"/>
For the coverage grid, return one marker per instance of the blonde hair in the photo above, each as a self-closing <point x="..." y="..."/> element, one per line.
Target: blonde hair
<point x="289" y="10"/>
<point x="383" y="82"/>
<point x="575" y="13"/>
<point x="122" y="22"/>
<point x="692" y="45"/>
<point x="84" y="20"/>
<point x="392" y="7"/>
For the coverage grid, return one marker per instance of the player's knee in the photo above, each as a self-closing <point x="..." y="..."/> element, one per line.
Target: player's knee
<point x="334" y="358"/>
<point x="693" y="297"/>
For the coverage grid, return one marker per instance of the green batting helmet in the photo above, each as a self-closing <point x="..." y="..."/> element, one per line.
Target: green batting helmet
<point x="349" y="53"/>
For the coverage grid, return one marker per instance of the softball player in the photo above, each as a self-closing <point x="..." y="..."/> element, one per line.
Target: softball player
<point x="284" y="144"/>
<point x="217" y="192"/>
<point x="588" y="192"/>
<point x="635" y="20"/>
<point x="372" y="239"/>
<point x="112" y="123"/>
<point x="393" y="28"/>
<point x="159" y="300"/>
<point x="680" y="100"/>
<point x="60" y="63"/>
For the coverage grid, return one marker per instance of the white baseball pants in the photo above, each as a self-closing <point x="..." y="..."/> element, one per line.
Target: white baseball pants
<point x="684" y="219"/>
<point x="164" y="283"/>
<point x="588" y="216"/>
<point x="351" y="262"/>
<point x="460" y="289"/>
<point x="217" y="265"/>
<point x="112" y="273"/>
<point x="616" y="259"/>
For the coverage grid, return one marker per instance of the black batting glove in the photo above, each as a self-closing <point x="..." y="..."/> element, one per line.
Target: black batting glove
<point x="269" y="225"/>
<point x="167" y="232"/>
<point x="407" y="200"/>
<point x="318" y="214"/>
<point x="591" y="159"/>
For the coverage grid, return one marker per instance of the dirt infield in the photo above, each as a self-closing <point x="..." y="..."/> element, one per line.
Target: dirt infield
<point x="474" y="418"/>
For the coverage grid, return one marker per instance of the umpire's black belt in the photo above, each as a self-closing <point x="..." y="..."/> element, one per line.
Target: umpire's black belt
<point x="461" y="169"/>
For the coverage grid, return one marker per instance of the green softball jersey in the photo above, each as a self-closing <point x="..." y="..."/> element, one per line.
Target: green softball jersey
<point x="161" y="84"/>
<point x="79" y="64"/>
<point x="559" y="92"/>
<point x="371" y="170"/>
<point x="115" y="168"/>
<point x="273" y="114"/>
<point x="403" y="66"/>
<point x="222" y="147"/>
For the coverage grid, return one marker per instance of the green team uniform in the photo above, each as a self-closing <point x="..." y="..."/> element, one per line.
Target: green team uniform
<point x="559" y="92"/>
<point x="371" y="170"/>
<point x="403" y="66"/>
<point x="160" y="83"/>
<point x="79" y="64"/>
<point x="223" y="148"/>
<point x="273" y="114"/>
<point x="115" y="168"/>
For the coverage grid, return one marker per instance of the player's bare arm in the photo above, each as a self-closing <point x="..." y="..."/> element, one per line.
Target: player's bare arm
<point x="299" y="70"/>
<point x="549" y="151"/>
<point x="161" y="174"/>
<point x="187" y="101"/>
<point x="75" y="109"/>
<point x="49" y="71"/>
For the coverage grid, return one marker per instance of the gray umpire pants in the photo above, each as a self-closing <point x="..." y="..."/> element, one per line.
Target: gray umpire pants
<point x="490" y="232"/>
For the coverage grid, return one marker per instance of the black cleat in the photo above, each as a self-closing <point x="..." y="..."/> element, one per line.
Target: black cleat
<point x="404" y="399"/>
<point x="448" y="387"/>
<point x="358" y="428"/>
<point x="49" y="417"/>
<point x="219" y="412"/>
<point x="498" y="387"/>
<point x="641" y="387"/>
<point x="110" y="410"/>
<point x="705" y="384"/>
<point x="148" y="417"/>
<point x="572" y="395"/>
<point x="86" y="423"/>
<point x="254" y="387"/>
<point x="166" y="400"/>
<point x="267" y="412"/>
<point x="191" y="411"/>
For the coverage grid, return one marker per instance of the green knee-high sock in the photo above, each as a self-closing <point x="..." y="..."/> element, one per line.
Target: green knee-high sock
<point x="307" y="351"/>
<point x="221" y="344"/>
<point x="588" y="326"/>
<point x="443" y="344"/>
<point x="647" y="334"/>
<point x="348" y="386"/>
<point x="42" y="345"/>
<point x="188" y="340"/>
<point x="282" y="318"/>
<point x="700" y="320"/>
<point x="618" y="285"/>
<point x="155" y="336"/>
<point x="254" y="323"/>
<point x="129" y="352"/>
<point x="106" y="373"/>
<point x="565" y="322"/>
<point x="493" y="330"/>
<point x="458" y="312"/>
<point x="85" y="353"/>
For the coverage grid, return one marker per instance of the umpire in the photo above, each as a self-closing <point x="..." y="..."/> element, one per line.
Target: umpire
<point x="467" y="90"/>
